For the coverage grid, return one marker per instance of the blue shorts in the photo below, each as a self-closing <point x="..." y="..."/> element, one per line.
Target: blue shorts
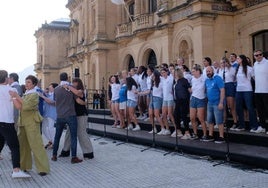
<point x="213" y="113"/>
<point x="131" y="103"/>
<point x="198" y="103"/>
<point x="115" y="101"/>
<point x="230" y="89"/>
<point x="168" y="103"/>
<point x="156" y="103"/>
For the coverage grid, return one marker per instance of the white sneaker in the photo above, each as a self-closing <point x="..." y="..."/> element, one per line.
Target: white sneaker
<point x="258" y="130"/>
<point x="130" y="127"/>
<point x="186" y="137"/>
<point x="190" y="123"/>
<point x="137" y="128"/>
<point x="153" y="131"/>
<point x="216" y="126"/>
<point x="20" y="174"/>
<point x="167" y="132"/>
<point x="140" y="117"/>
<point x="181" y="123"/>
<point x="161" y="132"/>
<point x="267" y="132"/>
<point x="179" y="134"/>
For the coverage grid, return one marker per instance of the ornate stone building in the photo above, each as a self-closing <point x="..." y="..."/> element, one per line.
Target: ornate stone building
<point x="104" y="38"/>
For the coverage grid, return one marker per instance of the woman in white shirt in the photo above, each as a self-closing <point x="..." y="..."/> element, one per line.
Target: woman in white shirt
<point x="132" y="99"/>
<point x="198" y="101"/>
<point x="168" y="101"/>
<point x="244" y="92"/>
<point x="142" y="83"/>
<point x="227" y="73"/>
<point x="156" y="93"/>
<point x="115" y="88"/>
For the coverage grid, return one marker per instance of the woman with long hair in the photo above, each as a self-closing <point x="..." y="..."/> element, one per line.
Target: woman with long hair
<point x="115" y="88"/>
<point x="147" y="92"/>
<point x="244" y="93"/>
<point x="142" y="99"/>
<point x="168" y="102"/>
<point x="132" y="99"/>
<point x="156" y="100"/>
<point x="227" y="73"/>
<point x="123" y="99"/>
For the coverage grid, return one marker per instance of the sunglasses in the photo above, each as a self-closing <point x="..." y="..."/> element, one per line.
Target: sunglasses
<point x="256" y="55"/>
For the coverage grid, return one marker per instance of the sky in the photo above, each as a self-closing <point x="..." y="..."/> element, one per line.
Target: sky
<point x="19" y="21"/>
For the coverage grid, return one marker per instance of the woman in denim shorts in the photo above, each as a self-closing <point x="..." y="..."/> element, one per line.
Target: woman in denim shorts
<point x="132" y="98"/>
<point x="227" y="73"/>
<point x="115" y="100"/>
<point x="156" y="100"/>
<point x="198" y="101"/>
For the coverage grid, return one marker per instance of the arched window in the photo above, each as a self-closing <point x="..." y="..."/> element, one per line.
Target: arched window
<point x="152" y="59"/>
<point x="131" y="63"/>
<point x="260" y="41"/>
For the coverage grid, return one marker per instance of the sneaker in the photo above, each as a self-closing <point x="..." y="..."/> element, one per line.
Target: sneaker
<point x="153" y="131"/>
<point x="76" y="160"/>
<point x="114" y="126"/>
<point x="166" y="132"/>
<point x="234" y="127"/>
<point x="161" y="132"/>
<point x="141" y="117"/>
<point x="190" y="123"/>
<point x="20" y="174"/>
<point x="239" y="129"/>
<point x="130" y="127"/>
<point x="179" y="134"/>
<point x="181" y="122"/>
<point x="118" y="126"/>
<point x="42" y="173"/>
<point x="220" y="140"/>
<point x="258" y="130"/>
<point x="137" y="128"/>
<point x="194" y="137"/>
<point x="186" y="137"/>
<point x="207" y="139"/>
<point x="216" y="126"/>
<point x="267" y="132"/>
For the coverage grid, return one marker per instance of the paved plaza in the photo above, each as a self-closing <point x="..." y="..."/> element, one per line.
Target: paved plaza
<point x="116" y="166"/>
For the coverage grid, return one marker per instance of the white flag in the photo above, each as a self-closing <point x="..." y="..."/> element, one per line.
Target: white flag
<point x="118" y="2"/>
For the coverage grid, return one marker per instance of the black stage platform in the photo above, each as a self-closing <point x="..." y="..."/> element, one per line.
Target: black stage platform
<point x="246" y="148"/>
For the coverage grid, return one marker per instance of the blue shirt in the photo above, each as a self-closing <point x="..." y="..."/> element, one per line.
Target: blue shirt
<point x="49" y="109"/>
<point x="123" y="93"/>
<point x="213" y="89"/>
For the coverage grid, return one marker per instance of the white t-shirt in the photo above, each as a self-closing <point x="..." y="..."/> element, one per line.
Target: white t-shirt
<point x="142" y="82"/>
<point x="261" y="76"/>
<point x="149" y="82"/>
<point x="188" y="76"/>
<point x="158" y="91"/>
<point x="115" y="91"/>
<point x="243" y="81"/>
<point x="136" y="78"/>
<point x="198" y="87"/>
<point x="167" y="88"/>
<point x="229" y="74"/>
<point x="131" y="95"/>
<point x="7" y="106"/>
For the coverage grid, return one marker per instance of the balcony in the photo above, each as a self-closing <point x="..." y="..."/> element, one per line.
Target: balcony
<point x="124" y="30"/>
<point x="143" y="21"/>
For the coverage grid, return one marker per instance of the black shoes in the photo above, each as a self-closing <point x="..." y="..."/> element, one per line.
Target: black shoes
<point x="64" y="153"/>
<point x="88" y="155"/>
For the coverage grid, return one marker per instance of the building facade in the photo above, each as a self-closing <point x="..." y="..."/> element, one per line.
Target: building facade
<point x="105" y="38"/>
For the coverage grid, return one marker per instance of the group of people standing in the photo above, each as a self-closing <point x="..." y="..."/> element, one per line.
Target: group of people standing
<point x="62" y="104"/>
<point x="209" y="94"/>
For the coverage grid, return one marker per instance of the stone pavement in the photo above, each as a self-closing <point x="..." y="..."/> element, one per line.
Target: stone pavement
<point x="116" y="166"/>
